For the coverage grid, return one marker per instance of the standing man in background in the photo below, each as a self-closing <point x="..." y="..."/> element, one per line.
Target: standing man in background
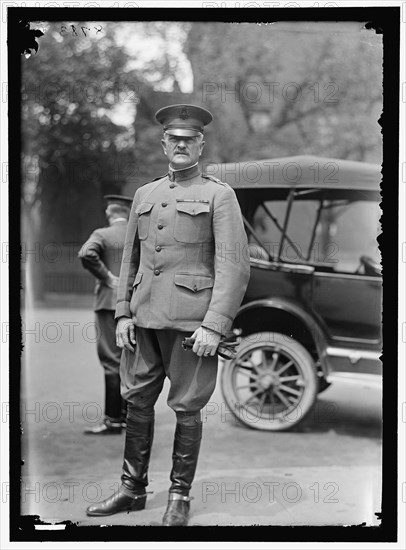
<point x="101" y="254"/>
<point x="184" y="274"/>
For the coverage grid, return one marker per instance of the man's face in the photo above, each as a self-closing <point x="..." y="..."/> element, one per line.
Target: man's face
<point x="182" y="152"/>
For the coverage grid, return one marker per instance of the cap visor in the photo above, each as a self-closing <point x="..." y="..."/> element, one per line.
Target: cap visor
<point x="183" y="132"/>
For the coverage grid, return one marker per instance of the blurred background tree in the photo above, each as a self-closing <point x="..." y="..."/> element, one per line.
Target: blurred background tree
<point x="69" y="89"/>
<point x="289" y="88"/>
<point x="90" y="93"/>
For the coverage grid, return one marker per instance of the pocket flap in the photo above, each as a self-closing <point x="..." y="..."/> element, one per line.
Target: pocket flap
<point x="144" y="208"/>
<point x="193" y="208"/>
<point x="193" y="282"/>
<point x="137" y="279"/>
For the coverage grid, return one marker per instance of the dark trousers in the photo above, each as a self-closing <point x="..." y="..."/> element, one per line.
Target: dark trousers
<point x="158" y="354"/>
<point x="109" y="356"/>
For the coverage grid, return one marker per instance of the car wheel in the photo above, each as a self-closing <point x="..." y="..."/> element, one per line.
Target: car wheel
<point x="271" y="384"/>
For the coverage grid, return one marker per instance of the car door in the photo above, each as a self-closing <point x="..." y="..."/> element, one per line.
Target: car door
<point x="349" y="306"/>
<point x="347" y="297"/>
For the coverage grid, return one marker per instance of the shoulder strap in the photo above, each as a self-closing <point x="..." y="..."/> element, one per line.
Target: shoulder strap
<point x="153" y="187"/>
<point x="216" y="180"/>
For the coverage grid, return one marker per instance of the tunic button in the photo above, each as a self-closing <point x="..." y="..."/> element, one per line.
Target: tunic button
<point x="157" y="271"/>
<point x="160" y="226"/>
<point x="172" y="185"/>
<point x="164" y="204"/>
<point x="158" y="248"/>
<point x="195" y="288"/>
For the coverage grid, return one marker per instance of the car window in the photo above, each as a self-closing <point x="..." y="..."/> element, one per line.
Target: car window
<point x="353" y="230"/>
<point x="302" y="219"/>
<point x="345" y="232"/>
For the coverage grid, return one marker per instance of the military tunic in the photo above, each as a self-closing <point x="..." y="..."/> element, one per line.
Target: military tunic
<point x="101" y="253"/>
<point x="193" y="265"/>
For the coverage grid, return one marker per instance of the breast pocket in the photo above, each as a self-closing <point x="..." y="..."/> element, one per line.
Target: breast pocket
<point x="193" y="222"/>
<point x="144" y="219"/>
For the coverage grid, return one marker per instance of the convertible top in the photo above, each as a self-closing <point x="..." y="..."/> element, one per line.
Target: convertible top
<point x="302" y="172"/>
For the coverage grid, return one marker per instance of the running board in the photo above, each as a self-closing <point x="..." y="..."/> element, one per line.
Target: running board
<point x="355" y="377"/>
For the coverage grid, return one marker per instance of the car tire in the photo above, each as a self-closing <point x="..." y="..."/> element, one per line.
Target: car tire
<point x="272" y="382"/>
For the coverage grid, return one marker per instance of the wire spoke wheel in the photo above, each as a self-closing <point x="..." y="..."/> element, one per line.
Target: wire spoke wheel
<point x="271" y="384"/>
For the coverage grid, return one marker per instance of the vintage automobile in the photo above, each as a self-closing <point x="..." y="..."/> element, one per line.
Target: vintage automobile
<point x="312" y="310"/>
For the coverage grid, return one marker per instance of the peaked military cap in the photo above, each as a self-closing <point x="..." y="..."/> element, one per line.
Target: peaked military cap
<point x="118" y="199"/>
<point x="184" y="120"/>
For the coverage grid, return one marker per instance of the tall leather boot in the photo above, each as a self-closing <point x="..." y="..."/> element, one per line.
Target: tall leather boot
<point x="111" y="423"/>
<point x="188" y="435"/>
<point x="131" y="495"/>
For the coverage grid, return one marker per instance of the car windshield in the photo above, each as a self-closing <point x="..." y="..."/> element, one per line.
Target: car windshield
<point x="335" y="236"/>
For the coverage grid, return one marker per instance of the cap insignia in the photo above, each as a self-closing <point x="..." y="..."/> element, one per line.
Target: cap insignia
<point x="184" y="113"/>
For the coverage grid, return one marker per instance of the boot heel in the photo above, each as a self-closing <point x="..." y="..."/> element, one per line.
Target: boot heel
<point x="139" y="503"/>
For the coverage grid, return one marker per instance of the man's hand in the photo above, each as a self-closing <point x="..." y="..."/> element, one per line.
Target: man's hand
<point x="125" y="333"/>
<point x="206" y="341"/>
<point x="112" y="281"/>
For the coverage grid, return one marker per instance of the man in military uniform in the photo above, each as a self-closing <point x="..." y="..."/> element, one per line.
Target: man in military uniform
<point x="184" y="275"/>
<point x="101" y="255"/>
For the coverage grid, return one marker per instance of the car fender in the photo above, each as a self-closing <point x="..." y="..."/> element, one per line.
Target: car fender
<point x="296" y="310"/>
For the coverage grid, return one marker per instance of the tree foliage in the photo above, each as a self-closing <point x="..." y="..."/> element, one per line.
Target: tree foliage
<point x="73" y="151"/>
<point x="285" y="89"/>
